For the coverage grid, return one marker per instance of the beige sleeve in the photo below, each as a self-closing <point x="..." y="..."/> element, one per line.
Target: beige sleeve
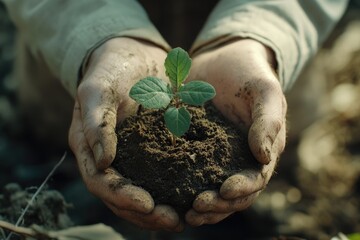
<point x="64" y="32"/>
<point x="293" y="29"/>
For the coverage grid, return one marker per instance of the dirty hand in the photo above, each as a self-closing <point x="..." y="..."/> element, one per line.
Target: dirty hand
<point x="250" y="95"/>
<point x="101" y="102"/>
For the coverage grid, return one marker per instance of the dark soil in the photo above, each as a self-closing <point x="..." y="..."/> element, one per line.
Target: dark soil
<point x="49" y="209"/>
<point x="212" y="150"/>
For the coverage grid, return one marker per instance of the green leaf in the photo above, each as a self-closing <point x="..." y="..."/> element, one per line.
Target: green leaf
<point x="177" y="120"/>
<point x="196" y="93"/>
<point x="151" y="92"/>
<point x="177" y="65"/>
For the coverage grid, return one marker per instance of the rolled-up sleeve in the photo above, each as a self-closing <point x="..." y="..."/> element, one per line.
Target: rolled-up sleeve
<point x="63" y="32"/>
<point x="292" y="29"/>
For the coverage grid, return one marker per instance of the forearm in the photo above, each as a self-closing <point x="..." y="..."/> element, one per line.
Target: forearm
<point x="64" y="33"/>
<point x="292" y="29"/>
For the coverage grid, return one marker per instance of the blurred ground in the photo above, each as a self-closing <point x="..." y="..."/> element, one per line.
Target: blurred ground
<point x="314" y="195"/>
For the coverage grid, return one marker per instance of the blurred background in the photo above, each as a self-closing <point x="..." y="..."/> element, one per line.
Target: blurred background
<point x="315" y="193"/>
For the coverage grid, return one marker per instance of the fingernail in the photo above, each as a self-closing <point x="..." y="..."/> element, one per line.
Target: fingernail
<point x="269" y="142"/>
<point x="98" y="152"/>
<point x="179" y="228"/>
<point x="268" y="149"/>
<point x="201" y="222"/>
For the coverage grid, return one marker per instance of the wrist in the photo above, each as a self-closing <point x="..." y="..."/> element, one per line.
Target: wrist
<point x="256" y="47"/>
<point x="270" y="56"/>
<point x="251" y="46"/>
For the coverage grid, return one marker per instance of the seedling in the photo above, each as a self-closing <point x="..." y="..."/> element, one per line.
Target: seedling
<point x="155" y="93"/>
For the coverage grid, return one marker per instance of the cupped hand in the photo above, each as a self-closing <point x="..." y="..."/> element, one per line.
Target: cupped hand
<point x="101" y="102"/>
<point x="250" y="95"/>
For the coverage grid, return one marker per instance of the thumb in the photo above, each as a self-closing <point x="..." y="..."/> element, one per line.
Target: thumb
<point x="99" y="116"/>
<point x="269" y="121"/>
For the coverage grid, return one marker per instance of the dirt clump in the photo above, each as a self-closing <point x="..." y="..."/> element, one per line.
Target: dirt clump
<point x="212" y="150"/>
<point x="49" y="209"/>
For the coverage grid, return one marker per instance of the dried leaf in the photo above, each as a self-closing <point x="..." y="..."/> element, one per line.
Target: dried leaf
<point x="91" y="232"/>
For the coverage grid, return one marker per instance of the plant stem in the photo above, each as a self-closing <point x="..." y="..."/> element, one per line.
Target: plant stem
<point x="173" y="140"/>
<point x="177" y="102"/>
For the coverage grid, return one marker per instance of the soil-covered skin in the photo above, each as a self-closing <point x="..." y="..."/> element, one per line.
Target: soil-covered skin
<point x="211" y="151"/>
<point x="297" y="202"/>
<point x="49" y="209"/>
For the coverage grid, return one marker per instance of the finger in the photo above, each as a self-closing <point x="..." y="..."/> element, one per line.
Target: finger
<point x="99" y="113"/>
<point x="250" y="181"/>
<point x="247" y="182"/>
<point x="279" y="143"/>
<point x="196" y="219"/>
<point x="210" y="201"/>
<point x="268" y="116"/>
<point x="161" y="218"/>
<point x="108" y="185"/>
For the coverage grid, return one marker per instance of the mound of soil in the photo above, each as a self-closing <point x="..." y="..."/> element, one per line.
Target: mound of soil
<point x="49" y="209"/>
<point x="212" y="150"/>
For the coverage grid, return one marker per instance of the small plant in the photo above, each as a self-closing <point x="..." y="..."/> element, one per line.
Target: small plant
<point x="154" y="93"/>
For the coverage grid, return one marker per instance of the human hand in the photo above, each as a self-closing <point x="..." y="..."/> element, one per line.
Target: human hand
<point x="101" y="102"/>
<point x="250" y="95"/>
